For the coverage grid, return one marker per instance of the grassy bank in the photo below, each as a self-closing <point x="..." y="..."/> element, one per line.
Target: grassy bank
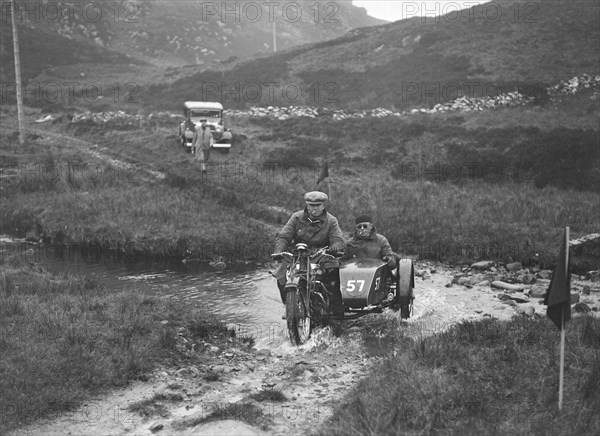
<point x="66" y="338"/>
<point x="447" y="187"/>
<point x="480" y="378"/>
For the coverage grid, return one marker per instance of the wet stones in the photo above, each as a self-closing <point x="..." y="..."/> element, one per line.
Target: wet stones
<point x="482" y="265"/>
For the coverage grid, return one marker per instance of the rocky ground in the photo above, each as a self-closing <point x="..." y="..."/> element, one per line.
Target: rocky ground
<point x="555" y="93"/>
<point x="274" y="388"/>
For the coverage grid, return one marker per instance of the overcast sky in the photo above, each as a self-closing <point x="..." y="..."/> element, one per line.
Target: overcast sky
<point x="393" y="10"/>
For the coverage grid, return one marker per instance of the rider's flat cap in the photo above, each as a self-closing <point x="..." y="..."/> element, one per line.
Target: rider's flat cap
<point x="315" y="197"/>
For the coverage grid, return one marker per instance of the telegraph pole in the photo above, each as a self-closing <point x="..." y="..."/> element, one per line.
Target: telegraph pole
<point x="17" y="73"/>
<point x="274" y="38"/>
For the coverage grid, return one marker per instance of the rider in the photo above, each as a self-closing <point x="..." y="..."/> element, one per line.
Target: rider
<point x="366" y="242"/>
<point x="317" y="228"/>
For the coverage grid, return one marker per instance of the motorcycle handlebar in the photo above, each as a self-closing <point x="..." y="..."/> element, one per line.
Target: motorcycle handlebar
<point x="283" y="254"/>
<point x="280" y="256"/>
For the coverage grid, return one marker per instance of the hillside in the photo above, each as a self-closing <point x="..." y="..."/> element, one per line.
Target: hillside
<point x="419" y="61"/>
<point x="166" y="33"/>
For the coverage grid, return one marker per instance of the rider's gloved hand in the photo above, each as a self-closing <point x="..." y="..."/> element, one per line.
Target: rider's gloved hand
<point x="391" y="261"/>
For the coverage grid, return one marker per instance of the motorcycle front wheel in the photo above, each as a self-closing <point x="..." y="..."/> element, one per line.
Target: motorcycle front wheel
<point x="298" y="319"/>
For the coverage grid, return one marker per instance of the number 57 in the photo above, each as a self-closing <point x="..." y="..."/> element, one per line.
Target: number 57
<point x="351" y="287"/>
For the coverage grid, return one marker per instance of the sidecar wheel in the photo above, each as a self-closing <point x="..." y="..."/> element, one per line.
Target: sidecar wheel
<point x="298" y="320"/>
<point x="404" y="288"/>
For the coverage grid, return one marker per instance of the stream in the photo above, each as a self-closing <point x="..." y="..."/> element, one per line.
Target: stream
<point x="245" y="298"/>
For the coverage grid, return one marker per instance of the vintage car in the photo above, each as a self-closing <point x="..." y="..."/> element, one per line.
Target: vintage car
<point x="196" y="111"/>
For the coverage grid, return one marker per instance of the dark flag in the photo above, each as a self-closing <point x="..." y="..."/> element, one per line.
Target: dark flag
<point x="324" y="173"/>
<point x="558" y="295"/>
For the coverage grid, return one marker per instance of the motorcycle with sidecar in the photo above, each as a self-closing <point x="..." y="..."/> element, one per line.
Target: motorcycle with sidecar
<point x="366" y="284"/>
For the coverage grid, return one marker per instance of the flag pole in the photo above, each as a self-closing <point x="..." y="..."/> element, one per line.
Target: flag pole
<point x="562" y="362"/>
<point x="562" y="331"/>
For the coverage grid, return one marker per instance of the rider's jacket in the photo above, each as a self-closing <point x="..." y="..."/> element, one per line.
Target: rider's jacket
<point x="375" y="246"/>
<point x="323" y="231"/>
<point x="320" y="232"/>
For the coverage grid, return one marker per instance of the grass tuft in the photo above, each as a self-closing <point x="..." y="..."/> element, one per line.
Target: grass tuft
<point x="480" y="378"/>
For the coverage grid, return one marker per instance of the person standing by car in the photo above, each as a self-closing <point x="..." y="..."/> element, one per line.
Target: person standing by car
<point x="366" y="242"/>
<point x="203" y="141"/>
<point x="227" y="136"/>
<point x="316" y="228"/>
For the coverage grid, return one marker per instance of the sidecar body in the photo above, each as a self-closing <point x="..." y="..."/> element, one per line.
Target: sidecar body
<point x="368" y="283"/>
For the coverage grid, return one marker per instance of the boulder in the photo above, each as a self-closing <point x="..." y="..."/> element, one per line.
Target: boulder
<point x="537" y="292"/>
<point x="156" y="426"/>
<point x="482" y="265"/>
<point x="464" y="281"/>
<point x="519" y="298"/>
<point x="545" y="274"/>
<point x="510" y="287"/>
<point x="514" y="266"/>
<point x="526" y="310"/>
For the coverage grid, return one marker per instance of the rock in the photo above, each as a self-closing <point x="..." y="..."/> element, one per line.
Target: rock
<point x="507" y="286"/>
<point x="514" y="266"/>
<point x="527" y="310"/>
<point x="593" y="276"/>
<point x="588" y="301"/>
<point x="213" y="348"/>
<point x="537" y="292"/>
<point x="156" y="426"/>
<point x="581" y="308"/>
<point x="545" y="274"/>
<point x="423" y="273"/>
<point x="509" y="302"/>
<point x="482" y="265"/>
<point x="586" y="290"/>
<point x="519" y="298"/>
<point x="463" y="281"/>
<point x="222" y="369"/>
<point x="528" y="279"/>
